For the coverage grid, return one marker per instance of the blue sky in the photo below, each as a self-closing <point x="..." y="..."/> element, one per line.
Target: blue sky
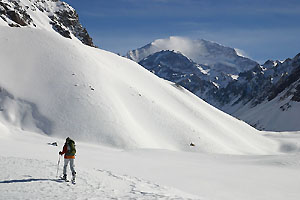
<point x="263" y="29"/>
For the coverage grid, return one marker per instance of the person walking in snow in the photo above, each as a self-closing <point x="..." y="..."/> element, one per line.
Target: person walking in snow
<point x="69" y="151"/>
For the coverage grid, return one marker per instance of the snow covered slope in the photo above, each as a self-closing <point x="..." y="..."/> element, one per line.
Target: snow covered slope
<point x="62" y="87"/>
<point x="57" y="86"/>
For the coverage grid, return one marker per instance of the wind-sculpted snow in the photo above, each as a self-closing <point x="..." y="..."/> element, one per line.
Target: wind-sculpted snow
<point x="22" y="114"/>
<point x="96" y="96"/>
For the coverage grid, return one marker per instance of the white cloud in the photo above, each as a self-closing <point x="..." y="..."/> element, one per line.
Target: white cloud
<point x="241" y="52"/>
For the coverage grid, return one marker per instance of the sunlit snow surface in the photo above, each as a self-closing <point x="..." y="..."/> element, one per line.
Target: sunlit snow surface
<point x="29" y="165"/>
<point x="61" y="87"/>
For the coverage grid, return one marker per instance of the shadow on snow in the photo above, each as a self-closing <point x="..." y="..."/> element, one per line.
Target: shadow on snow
<point x="31" y="180"/>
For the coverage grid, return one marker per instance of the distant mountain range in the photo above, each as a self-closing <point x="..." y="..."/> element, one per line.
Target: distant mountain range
<point x="265" y="96"/>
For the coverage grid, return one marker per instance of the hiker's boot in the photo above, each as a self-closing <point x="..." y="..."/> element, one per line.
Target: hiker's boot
<point x="64" y="177"/>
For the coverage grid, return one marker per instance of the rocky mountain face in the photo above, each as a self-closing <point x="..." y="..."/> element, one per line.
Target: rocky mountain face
<point x="175" y="67"/>
<point x="47" y="14"/>
<point x="266" y="97"/>
<point x="239" y="90"/>
<point x="218" y="57"/>
<point x="287" y="78"/>
<point x="264" y="83"/>
<point x="216" y="65"/>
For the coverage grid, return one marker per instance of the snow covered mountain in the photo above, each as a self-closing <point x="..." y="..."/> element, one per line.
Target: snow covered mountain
<point x="44" y="14"/>
<point x="175" y="67"/>
<point x="57" y="86"/>
<point x="218" y="57"/>
<point x="200" y="66"/>
<point x="267" y="97"/>
<point x="238" y="86"/>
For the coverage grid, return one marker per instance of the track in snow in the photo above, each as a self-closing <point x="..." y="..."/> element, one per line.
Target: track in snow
<point x="30" y="179"/>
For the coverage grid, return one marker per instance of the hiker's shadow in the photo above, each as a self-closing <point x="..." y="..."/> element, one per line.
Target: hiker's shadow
<point x="31" y="180"/>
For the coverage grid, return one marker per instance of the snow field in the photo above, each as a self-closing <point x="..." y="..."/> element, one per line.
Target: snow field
<point x="35" y="179"/>
<point x="28" y="171"/>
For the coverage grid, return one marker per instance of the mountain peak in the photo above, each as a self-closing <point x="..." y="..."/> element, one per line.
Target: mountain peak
<point x="218" y="57"/>
<point x="47" y="14"/>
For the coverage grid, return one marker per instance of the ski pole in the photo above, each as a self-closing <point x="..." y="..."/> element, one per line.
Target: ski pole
<point x="58" y="166"/>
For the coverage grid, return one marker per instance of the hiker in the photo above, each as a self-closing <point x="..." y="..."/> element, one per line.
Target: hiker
<point x="69" y="151"/>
